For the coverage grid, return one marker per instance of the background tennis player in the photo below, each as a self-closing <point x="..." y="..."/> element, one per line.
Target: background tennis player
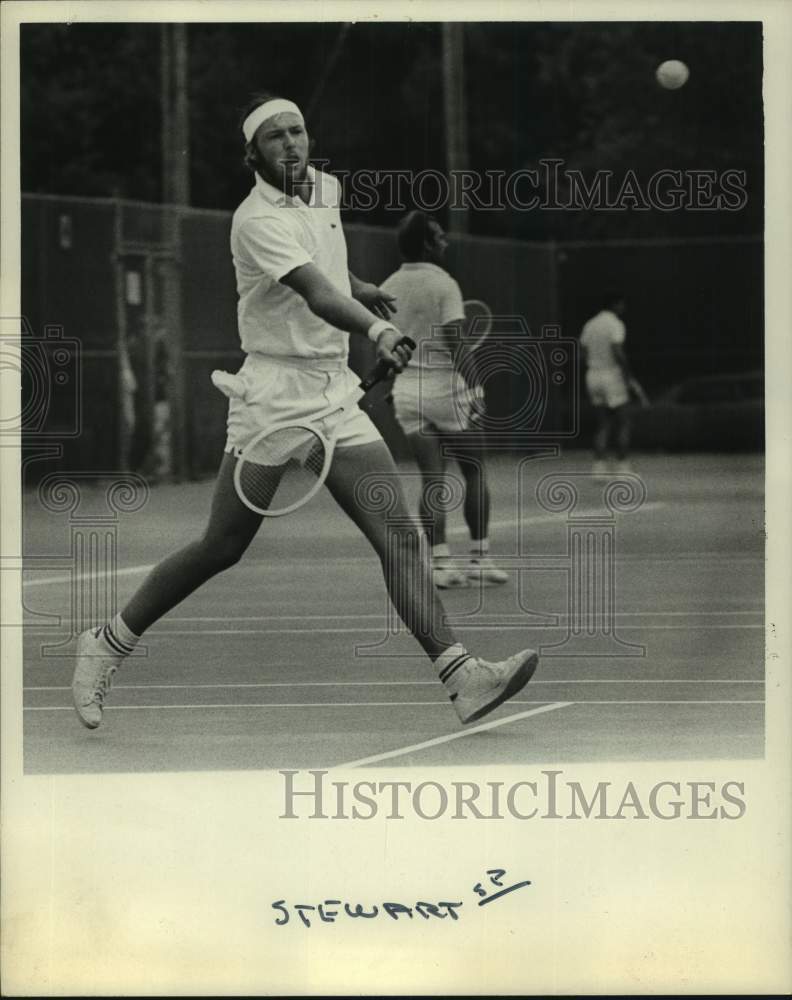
<point x="433" y="403"/>
<point x="297" y="305"/>
<point x="609" y="382"/>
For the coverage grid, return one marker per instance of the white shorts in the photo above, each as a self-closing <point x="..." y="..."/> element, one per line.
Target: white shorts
<point x="436" y="401"/>
<point x="278" y="389"/>
<point x="606" y="387"/>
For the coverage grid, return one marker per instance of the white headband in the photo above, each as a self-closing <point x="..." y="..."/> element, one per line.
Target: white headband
<point x="264" y="111"/>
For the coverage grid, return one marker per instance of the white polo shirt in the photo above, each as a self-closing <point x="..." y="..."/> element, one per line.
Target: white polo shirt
<point x="598" y="337"/>
<point x="272" y="233"/>
<point x="426" y="296"/>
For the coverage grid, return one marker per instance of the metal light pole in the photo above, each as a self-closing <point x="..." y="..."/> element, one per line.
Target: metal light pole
<point x="175" y="192"/>
<point x="175" y="114"/>
<point x="455" y="107"/>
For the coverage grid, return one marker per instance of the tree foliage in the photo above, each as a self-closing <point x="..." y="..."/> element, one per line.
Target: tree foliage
<point x="583" y="93"/>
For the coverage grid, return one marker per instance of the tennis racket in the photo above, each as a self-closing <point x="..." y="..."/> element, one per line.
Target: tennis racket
<point x="285" y="465"/>
<point x="474" y="397"/>
<point x="478" y="323"/>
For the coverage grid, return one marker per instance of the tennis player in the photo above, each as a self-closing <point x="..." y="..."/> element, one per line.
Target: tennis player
<point x="433" y="403"/>
<point x="297" y="306"/>
<point x="609" y="382"/>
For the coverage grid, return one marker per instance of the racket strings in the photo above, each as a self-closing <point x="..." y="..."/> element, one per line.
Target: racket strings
<point x="478" y="322"/>
<point x="282" y="469"/>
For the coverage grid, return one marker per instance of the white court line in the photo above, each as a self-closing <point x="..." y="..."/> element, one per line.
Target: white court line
<point x="257" y="704"/>
<point x="310" y="684"/>
<point x="619" y="614"/>
<point x="470" y="627"/>
<point x="643" y="557"/>
<point x="389" y="754"/>
<point x="515" y="522"/>
<point x="390" y="704"/>
<point x="652" y="701"/>
<point x="67" y="577"/>
<point x="457" y="530"/>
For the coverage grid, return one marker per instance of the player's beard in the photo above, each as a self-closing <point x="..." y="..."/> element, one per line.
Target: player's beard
<point x="285" y="175"/>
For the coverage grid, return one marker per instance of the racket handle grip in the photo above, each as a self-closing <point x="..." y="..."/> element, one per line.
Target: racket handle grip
<point x="383" y="368"/>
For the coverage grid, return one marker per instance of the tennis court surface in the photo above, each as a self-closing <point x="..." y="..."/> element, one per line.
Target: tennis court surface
<point x="290" y="659"/>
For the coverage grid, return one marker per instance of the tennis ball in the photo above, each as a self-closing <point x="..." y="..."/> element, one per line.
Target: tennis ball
<point x="672" y="74"/>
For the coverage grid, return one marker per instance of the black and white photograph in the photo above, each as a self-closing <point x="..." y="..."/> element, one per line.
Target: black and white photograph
<point x="393" y="407"/>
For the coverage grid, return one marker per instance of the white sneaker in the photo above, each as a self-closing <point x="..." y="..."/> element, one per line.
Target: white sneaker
<point x="481" y="569"/>
<point x="600" y="468"/>
<point x="92" y="677"/>
<point x="446" y="576"/>
<point x="483" y="686"/>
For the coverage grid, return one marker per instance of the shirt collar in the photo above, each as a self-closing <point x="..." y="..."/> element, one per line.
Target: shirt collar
<point x="413" y="265"/>
<point x="275" y="196"/>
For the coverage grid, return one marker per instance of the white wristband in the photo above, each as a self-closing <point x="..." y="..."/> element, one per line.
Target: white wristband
<point x="377" y="327"/>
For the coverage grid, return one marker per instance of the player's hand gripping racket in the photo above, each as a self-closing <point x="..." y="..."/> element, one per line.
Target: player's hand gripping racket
<point x="285" y="465"/>
<point x="478" y="323"/>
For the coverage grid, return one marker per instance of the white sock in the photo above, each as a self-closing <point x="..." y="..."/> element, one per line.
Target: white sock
<point x="118" y="637"/>
<point x="449" y="662"/>
<point x="441" y="551"/>
<point x="480" y="548"/>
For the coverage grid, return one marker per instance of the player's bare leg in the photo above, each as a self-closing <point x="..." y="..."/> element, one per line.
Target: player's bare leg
<point x="621" y="418"/>
<point x="481" y="568"/>
<point x="401" y="551"/>
<point x="470" y="454"/>
<point x="476" y="510"/>
<point x="475" y="686"/>
<point x="100" y="651"/>
<point x="601" y="438"/>
<point x="433" y="466"/>
<point x="231" y="528"/>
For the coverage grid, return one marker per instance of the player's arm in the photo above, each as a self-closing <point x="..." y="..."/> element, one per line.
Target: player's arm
<point x="344" y="313"/>
<point x="372" y="297"/>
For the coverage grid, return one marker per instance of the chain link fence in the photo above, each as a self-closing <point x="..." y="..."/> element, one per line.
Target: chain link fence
<point x="147" y="294"/>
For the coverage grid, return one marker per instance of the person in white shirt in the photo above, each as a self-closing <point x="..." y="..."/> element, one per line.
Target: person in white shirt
<point x="433" y="402"/>
<point x="609" y="382"/>
<point x="298" y="304"/>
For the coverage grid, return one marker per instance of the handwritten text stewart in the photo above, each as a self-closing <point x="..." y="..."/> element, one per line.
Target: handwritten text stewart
<point x="327" y="910"/>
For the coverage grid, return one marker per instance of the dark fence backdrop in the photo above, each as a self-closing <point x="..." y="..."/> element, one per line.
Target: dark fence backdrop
<point x="147" y="293"/>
